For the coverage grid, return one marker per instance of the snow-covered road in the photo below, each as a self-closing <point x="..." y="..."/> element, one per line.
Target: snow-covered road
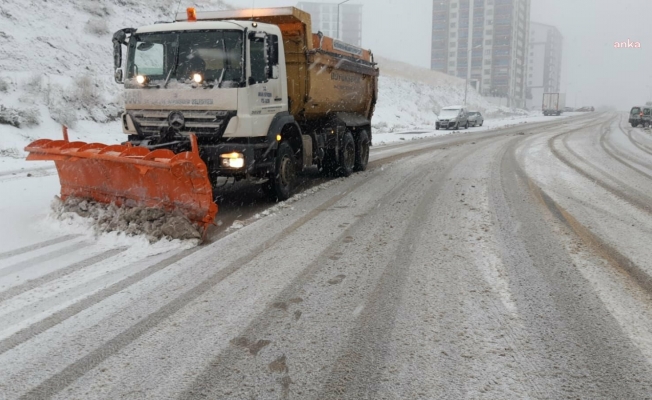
<point x="505" y="264"/>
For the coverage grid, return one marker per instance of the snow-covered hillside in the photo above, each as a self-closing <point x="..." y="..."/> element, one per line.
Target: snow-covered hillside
<point x="56" y="66"/>
<point x="59" y="54"/>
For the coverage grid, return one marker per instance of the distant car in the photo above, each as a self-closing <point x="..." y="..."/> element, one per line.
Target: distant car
<point x="646" y="116"/>
<point x="453" y="117"/>
<point x="635" y="116"/>
<point x="569" y="109"/>
<point x="475" y="118"/>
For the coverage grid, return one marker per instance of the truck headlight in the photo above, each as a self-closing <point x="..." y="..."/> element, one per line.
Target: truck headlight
<point x="232" y="160"/>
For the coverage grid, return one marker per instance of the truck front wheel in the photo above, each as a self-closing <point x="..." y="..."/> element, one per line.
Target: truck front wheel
<point x="283" y="181"/>
<point x="347" y="155"/>
<point x="362" y="152"/>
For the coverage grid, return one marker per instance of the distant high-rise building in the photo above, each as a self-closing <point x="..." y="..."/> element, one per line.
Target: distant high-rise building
<point x="544" y="64"/>
<point x="324" y="19"/>
<point x="491" y="35"/>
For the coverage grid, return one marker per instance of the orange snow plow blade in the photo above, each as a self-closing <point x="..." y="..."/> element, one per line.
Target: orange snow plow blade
<point x="132" y="176"/>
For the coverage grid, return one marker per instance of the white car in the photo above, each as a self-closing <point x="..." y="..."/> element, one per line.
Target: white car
<point x="453" y="117"/>
<point x="475" y="118"/>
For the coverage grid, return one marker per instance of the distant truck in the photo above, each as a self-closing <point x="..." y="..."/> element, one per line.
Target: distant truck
<point x="553" y="103"/>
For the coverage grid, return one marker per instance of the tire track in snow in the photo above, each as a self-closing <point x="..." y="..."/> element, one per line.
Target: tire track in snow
<point x="14" y="268"/>
<point x="639" y="200"/>
<point x="24" y="335"/>
<point x="34" y="283"/>
<point x="620" y="156"/>
<point x="629" y="132"/>
<point x="36" y="246"/>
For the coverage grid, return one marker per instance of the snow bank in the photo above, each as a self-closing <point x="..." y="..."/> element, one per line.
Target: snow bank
<point x="152" y="223"/>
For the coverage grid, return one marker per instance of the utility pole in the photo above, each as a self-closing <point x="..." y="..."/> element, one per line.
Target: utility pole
<point x="338" y="18"/>
<point x="468" y="71"/>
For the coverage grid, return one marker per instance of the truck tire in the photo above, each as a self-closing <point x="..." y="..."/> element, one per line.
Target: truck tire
<point x="282" y="183"/>
<point x="634" y="124"/>
<point x="362" y="152"/>
<point x="467" y="125"/>
<point x="347" y="155"/>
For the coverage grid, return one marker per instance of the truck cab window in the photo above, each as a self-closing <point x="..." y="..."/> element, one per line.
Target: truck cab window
<point x="258" y="60"/>
<point x="272" y="55"/>
<point x="148" y="59"/>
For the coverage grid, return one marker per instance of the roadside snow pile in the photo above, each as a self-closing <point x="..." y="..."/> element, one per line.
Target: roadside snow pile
<point x="155" y="224"/>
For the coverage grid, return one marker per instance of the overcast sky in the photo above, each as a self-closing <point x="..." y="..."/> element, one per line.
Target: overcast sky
<point x="594" y="72"/>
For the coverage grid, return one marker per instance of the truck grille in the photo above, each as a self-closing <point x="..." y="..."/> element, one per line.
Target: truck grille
<point x="199" y="122"/>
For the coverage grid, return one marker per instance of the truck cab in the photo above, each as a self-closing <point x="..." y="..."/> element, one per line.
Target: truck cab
<point x="223" y="81"/>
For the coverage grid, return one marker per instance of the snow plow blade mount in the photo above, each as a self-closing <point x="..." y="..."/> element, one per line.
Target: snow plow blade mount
<point x="132" y="176"/>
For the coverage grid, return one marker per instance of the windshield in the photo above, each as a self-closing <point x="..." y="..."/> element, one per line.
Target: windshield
<point x="449" y="113"/>
<point x="178" y="55"/>
<point x="636" y="110"/>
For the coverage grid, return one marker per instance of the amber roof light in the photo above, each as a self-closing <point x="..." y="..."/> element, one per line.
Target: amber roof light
<point x="192" y="14"/>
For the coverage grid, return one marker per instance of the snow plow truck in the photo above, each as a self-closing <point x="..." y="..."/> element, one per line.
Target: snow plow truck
<point x="241" y="94"/>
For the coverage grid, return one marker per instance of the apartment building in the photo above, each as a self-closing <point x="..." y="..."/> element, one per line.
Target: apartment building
<point x="325" y="19"/>
<point x="544" y="63"/>
<point x="486" y="40"/>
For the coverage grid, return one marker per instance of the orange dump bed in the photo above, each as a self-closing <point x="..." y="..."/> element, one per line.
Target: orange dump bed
<point x="335" y="46"/>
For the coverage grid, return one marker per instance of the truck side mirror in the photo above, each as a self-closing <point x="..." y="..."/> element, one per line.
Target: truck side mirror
<point x="120" y="38"/>
<point x="117" y="54"/>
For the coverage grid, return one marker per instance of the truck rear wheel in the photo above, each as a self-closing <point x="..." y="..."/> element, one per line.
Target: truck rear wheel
<point x="347" y="155"/>
<point x="362" y="152"/>
<point x="282" y="183"/>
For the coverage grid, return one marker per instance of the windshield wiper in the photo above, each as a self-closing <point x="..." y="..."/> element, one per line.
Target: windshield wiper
<point x="226" y="62"/>
<point x="219" y="81"/>
<point x="174" y="67"/>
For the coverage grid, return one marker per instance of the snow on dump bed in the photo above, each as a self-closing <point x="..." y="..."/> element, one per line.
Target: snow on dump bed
<point x="153" y="223"/>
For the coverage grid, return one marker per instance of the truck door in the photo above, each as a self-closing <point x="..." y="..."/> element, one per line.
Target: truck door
<point x="265" y="97"/>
